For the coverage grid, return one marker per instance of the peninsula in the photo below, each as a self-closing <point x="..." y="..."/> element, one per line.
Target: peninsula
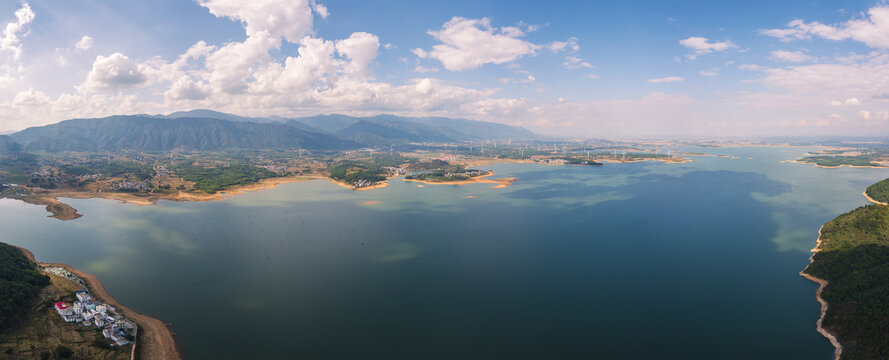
<point x="69" y="314"/>
<point x="851" y="265"/>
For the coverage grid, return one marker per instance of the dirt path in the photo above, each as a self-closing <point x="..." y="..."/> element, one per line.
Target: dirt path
<point x="157" y="341"/>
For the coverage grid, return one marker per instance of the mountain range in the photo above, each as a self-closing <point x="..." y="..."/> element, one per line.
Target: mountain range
<point x="210" y="130"/>
<point x="8" y="145"/>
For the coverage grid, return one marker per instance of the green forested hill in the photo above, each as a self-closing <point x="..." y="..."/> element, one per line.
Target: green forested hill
<point x="879" y="191"/>
<point x="373" y="133"/>
<point x="20" y="282"/>
<point x="144" y="133"/>
<point x="854" y="259"/>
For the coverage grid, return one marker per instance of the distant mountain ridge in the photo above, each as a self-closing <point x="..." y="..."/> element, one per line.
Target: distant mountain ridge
<point x="146" y="133"/>
<point x="209" y="130"/>
<point x="421" y="129"/>
<point x="8" y="145"/>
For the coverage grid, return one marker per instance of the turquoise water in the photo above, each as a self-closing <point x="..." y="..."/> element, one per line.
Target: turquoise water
<point x="627" y="261"/>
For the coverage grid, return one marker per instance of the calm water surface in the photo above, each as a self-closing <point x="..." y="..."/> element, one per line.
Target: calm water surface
<point x="626" y="261"/>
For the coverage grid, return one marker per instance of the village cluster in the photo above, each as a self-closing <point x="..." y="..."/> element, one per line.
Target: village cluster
<point x="87" y="311"/>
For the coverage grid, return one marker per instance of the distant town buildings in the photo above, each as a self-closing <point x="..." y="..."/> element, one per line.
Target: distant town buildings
<point x="274" y="168"/>
<point x="130" y="186"/>
<point x="395" y="170"/>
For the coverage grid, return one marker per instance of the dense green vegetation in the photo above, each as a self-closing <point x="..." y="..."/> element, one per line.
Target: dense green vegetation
<point x="15" y="168"/>
<point x="879" y="191"/>
<point x="854" y="259"/>
<point x="114" y="168"/>
<point x="63" y="352"/>
<point x="834" y="161"/>
<point x="211" y="180"/>
<point x="367" y="171"/>
<point x="20" y="283"/>
<point x="351" y="172"/>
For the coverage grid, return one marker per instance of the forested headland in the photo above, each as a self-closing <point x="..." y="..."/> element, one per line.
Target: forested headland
<point x="853" y="257"/>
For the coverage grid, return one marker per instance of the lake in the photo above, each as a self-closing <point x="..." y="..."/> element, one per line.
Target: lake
<point x="626" y="261"/>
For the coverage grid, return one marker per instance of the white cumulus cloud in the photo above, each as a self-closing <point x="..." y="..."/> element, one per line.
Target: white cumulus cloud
<point x="873" y="30"/>
<point x="702" y="45"/>
<point x="668" y="79"/>
<point x="115" y="72"/>
<point x="291" y="19"/>
<point x="11" y="37"/>
<point x="470" y="43"/>
<point x="847" y="102"/>
<point x="791" y="56"/>
<point x="574" y="62"/>
<point x="85" y="43"/>
<point x="31" y="98"/>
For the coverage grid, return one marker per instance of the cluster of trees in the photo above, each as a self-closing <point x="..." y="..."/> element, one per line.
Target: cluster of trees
<point x="832" y="161"/>
<point x="352" y="171"/>
<point x="20" y="283"/>
<point x="211" y="180"/>
<point x="16" y="167"/>
<point x="879" y="191"/>
<point x="577" y="161"/>
<point x="434" y="164"/>
<point x="854" y="259"/>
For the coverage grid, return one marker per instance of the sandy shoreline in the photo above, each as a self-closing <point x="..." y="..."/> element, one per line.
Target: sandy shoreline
<point x="873" y="200"/>
<point x="378" y="185"/>
<point x="821" y="284"/>
<point x="157" y="341"/>
<point x="153" y="199"/>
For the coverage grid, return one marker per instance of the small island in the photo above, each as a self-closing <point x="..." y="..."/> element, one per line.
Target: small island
<point x="851" y="265"/>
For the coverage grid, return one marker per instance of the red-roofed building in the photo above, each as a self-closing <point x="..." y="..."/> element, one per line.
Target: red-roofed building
<point x="63" y="309"/>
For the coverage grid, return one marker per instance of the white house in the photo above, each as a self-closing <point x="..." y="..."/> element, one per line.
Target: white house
<point x="84" y="296"/>
<point x="78" y="308"/>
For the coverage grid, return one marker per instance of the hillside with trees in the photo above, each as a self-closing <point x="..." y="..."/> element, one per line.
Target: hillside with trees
<point x="144" y="133"/>
<point x="854" y="258"/>
<point x="20" y="283"/>
<point x="879" y="191"/>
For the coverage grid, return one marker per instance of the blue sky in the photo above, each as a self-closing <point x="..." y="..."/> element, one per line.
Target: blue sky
<point x="641" y="68"/>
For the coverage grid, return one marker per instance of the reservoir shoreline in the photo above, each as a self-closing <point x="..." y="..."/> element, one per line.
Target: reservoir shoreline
<point x="824" y="305"/>
<point x="874" y="200"/>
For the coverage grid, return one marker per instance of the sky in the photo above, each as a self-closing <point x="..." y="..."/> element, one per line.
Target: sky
<point x="560" y="68"/>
